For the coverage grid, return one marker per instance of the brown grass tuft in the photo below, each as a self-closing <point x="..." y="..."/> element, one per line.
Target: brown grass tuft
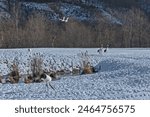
<point x="87" y="70"/>
<point x="28" y="79"/>
<point x="14" y="74"/>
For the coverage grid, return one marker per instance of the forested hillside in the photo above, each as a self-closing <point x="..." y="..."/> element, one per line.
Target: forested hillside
<point x="39" y="23"/>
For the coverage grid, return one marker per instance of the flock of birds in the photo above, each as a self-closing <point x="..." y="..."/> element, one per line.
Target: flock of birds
<point x="64" y="19"/>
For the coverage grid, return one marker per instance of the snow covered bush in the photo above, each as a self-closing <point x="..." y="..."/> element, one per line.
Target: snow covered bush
<point x="85" y="62"/>
<point x="37" y="65"/>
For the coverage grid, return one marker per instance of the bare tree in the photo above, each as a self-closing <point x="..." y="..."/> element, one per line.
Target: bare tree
<point x="135" y="28"/>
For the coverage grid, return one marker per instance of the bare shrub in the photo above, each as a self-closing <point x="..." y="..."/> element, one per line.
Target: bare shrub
<point x="28" y="79"/>
<point x="51" y="64"/>
<point x="75" y="70"/>
<point x="36" y="65"/>
<point x="14" y="74"/>
<point x="60" y="72"/>
<point x="84" y="59"/>
<point x="86" y="66"/>
<point x="0" y="78"/>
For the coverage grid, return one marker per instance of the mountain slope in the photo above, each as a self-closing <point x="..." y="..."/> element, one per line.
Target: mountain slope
<point x="80" y="10"/>
<point x="91" y="23"/>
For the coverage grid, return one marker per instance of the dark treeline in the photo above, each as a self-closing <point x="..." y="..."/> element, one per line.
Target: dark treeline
<point x="40" y="32"/>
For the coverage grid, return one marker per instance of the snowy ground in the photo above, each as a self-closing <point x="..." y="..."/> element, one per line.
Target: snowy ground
<point x="124" y="74"/>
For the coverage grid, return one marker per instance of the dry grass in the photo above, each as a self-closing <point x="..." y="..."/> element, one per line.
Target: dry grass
<point x="76" y="70"/>
<point x="14" y="74"/>
<point x="0" y="79"/>
<point x="87" y="70"/>
<point x="85" y="62"/>
<point x="84" y="59"/>
<point x="36" y="65"/>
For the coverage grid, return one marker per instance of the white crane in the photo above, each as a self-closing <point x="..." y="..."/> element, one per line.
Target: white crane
<point x="30" y="52"/>
<point x="67" y="19"/>
<point x="64" y="19"/>
<point x="46" y="78"/>
<point x="106" y="48"/>
<point x="29" y="49"/>
<point x="100" y="50"/>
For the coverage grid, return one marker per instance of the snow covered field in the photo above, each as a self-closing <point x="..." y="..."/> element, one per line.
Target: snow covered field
<point x="124" y="74"/>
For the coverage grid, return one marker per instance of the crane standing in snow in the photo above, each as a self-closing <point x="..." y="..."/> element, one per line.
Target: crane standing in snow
<point x="106" y="48"/>
<point x="100" y="50"/>
<point x="46" y="78"/>
<point x="30" y="52"/>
